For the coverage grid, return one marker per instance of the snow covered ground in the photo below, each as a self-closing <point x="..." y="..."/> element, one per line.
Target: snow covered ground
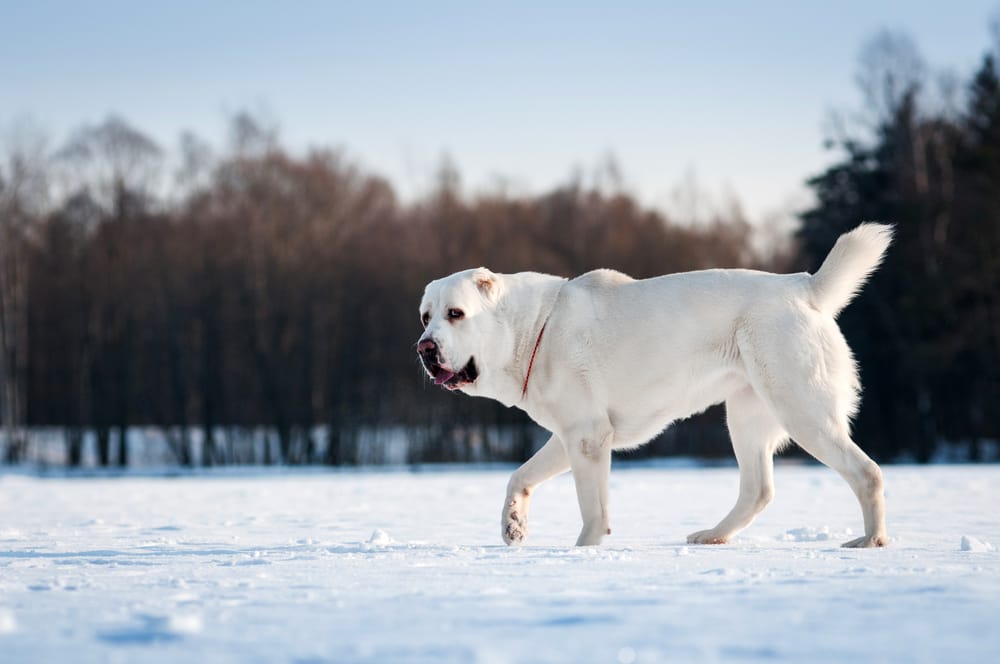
<point x="409" y="567"/>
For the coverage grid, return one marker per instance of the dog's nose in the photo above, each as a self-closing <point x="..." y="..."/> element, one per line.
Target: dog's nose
<point x="427" y="347"/>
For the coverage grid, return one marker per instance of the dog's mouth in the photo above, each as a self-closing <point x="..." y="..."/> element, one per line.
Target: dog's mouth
<point x="449" y="379"/>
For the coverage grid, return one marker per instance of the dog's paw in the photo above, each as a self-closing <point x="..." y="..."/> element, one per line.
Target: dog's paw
<point x="593" y="534"/>
<point x="867" y="542"/>
<point x="514" y="525"/>
<point x="707" y="537"/>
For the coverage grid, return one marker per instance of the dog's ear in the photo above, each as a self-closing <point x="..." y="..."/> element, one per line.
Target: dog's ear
<point x="487" y="283"/>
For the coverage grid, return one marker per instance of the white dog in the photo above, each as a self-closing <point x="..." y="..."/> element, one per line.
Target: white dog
<point x="605" y="362"/>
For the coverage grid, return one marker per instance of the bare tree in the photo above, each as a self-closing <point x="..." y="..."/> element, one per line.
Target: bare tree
<point x="118" y="167"/>
<point x="22" y="197"/>
<point x="113" y="161"/>
<point x="194" y="168"/>
<point x="890" y="68"/>
<point x="995" y="32"/>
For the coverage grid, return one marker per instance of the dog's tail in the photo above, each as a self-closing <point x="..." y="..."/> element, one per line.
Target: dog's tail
<point x="848" y="265"/>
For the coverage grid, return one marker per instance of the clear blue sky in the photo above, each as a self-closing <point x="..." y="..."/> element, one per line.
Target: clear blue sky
<point x="735" y="91"/>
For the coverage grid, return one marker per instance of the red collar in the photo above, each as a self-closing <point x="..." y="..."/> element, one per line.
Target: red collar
<point x="538" y="342"/>
<point x="531" y="363"/>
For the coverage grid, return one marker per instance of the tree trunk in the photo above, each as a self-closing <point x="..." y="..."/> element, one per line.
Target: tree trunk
<point x="13" y="342"/>
<point x="74" y="446"/>
<point x="103" y="446"/>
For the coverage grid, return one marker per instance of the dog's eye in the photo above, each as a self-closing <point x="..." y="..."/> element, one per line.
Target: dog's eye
<point x="426" y="318"/>
<point x="456" y="314"/>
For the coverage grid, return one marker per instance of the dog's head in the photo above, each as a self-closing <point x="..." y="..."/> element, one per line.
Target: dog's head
<point x="462" y="333"/>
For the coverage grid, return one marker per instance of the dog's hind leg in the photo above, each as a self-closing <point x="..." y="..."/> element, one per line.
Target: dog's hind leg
<point x="832" y="445"/>
<point x="809" y="382"/>
<point x="756" y="434"/>
<point x="549" y="461"/>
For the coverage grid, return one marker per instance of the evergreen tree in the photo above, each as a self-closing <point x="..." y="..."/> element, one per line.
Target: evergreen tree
<point x="926" y="329"/>
<point x="976" y="256"/>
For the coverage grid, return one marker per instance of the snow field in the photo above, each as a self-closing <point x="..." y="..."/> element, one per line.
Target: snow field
<point x="409" y="566"/>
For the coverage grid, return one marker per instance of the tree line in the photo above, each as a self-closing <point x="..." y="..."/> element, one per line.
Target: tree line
<point x="926" y="329"/>
<point x="273" y="290"/>
<point x="260" y="289"/>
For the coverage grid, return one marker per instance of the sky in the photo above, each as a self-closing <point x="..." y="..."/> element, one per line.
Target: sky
<point x="732" y="95"/>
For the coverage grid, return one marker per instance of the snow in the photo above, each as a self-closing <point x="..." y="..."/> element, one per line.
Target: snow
<point x="975" y="544"/>
<point x="408" y="566"/>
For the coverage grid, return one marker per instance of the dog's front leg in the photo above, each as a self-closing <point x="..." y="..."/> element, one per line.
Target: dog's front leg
<point x="590" y="461"/>
<point x="547" y="462"/>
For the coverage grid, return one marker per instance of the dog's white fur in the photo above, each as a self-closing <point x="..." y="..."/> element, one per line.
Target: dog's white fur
<point x="621" y="359"/>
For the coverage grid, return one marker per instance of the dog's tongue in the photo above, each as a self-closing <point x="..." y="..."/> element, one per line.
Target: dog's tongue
<point x="443" y="376"/>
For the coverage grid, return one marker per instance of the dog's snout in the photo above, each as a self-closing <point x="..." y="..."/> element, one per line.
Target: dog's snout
<point x="427" y="347"/>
